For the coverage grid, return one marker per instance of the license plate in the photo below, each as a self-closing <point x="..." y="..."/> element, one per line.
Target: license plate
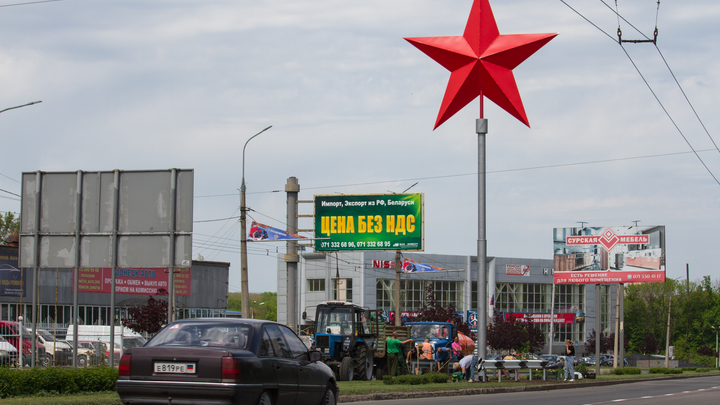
<point x="175" y="368"/>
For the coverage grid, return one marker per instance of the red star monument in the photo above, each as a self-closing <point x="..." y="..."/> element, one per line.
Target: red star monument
<point x="481" y="63"/>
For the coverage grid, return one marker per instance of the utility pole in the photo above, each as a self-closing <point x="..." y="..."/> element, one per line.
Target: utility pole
<point x="292" y="188"/>
<point x="617" y="327"/>
<point x="667" y="338"/>
<point x="398" y="264"/>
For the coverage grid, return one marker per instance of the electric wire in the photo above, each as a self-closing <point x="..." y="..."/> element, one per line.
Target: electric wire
<point x="29" y="2"/>
<point x="667" y="65"/>
<point x="667" y="113"/>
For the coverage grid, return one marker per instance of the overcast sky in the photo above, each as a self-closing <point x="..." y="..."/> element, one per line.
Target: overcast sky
<point x="160" y="84"/>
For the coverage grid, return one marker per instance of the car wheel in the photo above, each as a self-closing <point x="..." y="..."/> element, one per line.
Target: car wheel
<point x="82" y="360"/>
<point x="265" y="399"/>
<point x="346" y="369"/>
<point x="44" y="361"/>
<point x="329" y="398"/>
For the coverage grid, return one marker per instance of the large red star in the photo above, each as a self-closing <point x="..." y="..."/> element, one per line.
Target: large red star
<point x="481" y="62"/>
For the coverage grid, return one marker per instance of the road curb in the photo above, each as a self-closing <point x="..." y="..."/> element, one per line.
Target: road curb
<point x="500" y="390"/>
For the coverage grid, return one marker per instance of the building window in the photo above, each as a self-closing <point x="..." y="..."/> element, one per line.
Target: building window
<point x="384" y="294"/>
<point x="316" y="284"/>
<point x="412" y="294"/>
<point x="342" y="289"/>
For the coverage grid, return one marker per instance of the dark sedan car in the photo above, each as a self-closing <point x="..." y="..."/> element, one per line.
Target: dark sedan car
<point x="225" y="361"/>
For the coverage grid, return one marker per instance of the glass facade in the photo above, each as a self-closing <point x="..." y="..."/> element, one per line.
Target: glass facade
<point x="536" y="298"/>
<point x="412" y="294"/>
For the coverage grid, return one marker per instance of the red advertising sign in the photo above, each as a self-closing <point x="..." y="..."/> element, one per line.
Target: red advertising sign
<point x="132" y="281"/>
<point x="609" y="277"/>
<point x="609" y="255"/>
<point x="517" y="270"/>
<point x="540" y="318"/>
<point x="608" y="239"/>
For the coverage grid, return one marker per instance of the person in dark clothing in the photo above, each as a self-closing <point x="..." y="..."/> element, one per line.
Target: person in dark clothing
<point x="569" y="361"/>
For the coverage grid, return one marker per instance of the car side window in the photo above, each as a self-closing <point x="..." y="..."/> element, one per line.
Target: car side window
<point x="278" y="342"/>
<point x="297" y="347"/>
<point x="266" y="347"/>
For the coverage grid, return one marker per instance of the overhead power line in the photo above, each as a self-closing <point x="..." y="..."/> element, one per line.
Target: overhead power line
<point x="667" y="113"/>
<point x="28" y="3"/>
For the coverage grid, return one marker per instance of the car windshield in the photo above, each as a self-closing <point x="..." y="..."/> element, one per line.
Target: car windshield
<point x="46" y="335"/>
<point x="212" y="334"/>
<point x="335" y="320"/>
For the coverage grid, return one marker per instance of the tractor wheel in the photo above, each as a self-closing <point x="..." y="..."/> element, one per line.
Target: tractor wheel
<point x="346" y="369"/>
<point x="379" y="373"/>
<point x="363" y="358"/>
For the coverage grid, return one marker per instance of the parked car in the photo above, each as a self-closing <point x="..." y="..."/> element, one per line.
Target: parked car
<point x="58" y="351"/>
<point x="11" y="332"/>
<point x="225" y="361"/>
<point x="610" y="361"/>
<point x="8" y="353"/>
<point x="91" y="353"/>
<point x="591" y="360"/>
<point x="85" y="350"/>
<point x="552" y="359"/>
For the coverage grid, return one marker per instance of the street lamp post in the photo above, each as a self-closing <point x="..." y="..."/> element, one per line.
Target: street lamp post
<point x="20" y="340"/>
<point x="245" y="308"/>
<point x="19" y="106"/>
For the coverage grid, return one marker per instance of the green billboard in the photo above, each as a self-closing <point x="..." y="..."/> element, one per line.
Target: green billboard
<point x="368" y="222"/>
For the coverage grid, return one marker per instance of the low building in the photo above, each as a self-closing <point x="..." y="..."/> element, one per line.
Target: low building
<point x="202" y="292"/>
<point x="516" y="286"/>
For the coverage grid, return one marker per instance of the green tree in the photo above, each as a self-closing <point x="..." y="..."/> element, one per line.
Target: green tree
<point x="8" y="223"/>
<point x="695" y="309"/>
<point x="262" y="305"/>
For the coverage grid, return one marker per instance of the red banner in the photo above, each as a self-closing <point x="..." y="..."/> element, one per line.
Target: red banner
<point x="541" y="318"/>
<point x="132" y="281"/>
<point x="609" y="277"/>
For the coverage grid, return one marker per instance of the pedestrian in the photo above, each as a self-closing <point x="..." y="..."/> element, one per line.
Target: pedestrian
<point x="569" y="360"/>
<point x="456" y="349"/>
<point x="427" y="350"/>
<point x="393" y="351"/>
<point x="504" y="372"/>
<point x="467" y="366"/>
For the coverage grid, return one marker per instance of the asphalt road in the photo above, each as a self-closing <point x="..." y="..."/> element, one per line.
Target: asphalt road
<point x="694" y="391"/>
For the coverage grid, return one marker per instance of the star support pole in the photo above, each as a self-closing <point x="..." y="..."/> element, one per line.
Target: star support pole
<point x="481" y="62"/>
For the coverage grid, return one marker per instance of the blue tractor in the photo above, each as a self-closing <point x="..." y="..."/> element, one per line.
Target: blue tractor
<point x="346" y="335"/>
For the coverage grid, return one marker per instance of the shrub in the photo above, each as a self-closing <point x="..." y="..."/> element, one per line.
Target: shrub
<point x="581" y="368"/>
<point x="55" y="380"/>
<point x="628" y="370"/>
<point x="657" y="370"/>
<point x="429" y="378"/>
<point x="702" y="370"/>
<point x="689" y="368"/>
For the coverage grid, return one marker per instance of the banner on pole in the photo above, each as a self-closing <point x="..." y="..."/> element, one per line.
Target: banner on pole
<point x="260" y="232"/>
<point x="411" y="266"/>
